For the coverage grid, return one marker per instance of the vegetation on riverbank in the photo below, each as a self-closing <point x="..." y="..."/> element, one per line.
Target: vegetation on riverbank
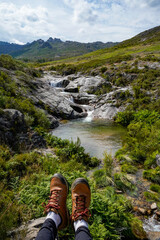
<point x="25" y="180"/>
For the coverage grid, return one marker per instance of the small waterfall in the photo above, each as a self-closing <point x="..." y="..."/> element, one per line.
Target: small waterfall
<point x="55" y="83"/>
<point x="71" y="99"/>
<point x="89" y="117"/>
<point x="151" y="225"/>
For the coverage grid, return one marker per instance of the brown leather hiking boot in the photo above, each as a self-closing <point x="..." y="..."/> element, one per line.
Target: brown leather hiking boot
<point x="81" y="197"/>
<point x="58" y="197"/>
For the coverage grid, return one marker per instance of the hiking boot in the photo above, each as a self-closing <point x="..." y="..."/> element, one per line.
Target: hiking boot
<point x="81" y="197"/>
<point x="58" y="197"/>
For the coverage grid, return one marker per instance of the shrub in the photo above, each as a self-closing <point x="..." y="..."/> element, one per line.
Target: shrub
<point x="124" y="118"/>
<point x="152" y="175"/>
<point x="69" y="150"/>
<point x="101" y="179"/>
<point x="152" y="196"/>
<point x="108" y="164"/>
<point x="123" y="182"/>
<point x="155" y="188"/>
<point x="128" y="168"/>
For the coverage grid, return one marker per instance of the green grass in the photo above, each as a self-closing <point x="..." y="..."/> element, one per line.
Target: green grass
<point x="107" y="55"/>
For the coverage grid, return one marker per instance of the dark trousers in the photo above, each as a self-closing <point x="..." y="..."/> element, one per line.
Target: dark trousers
<point x="49" y="232"/>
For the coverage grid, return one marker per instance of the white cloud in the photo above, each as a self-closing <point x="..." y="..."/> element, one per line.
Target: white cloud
<point x="17" y="42"/>
<point x="79" y="20"/>
<point x="22" y="21"/>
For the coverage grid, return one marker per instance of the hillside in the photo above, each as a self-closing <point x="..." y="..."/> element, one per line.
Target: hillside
<point x="51" y="49"/>
<point x="146" y="44"/>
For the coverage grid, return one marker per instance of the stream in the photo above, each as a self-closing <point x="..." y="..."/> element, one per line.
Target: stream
<point x="96" y="136"/>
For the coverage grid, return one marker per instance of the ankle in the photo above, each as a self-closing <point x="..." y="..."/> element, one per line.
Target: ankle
<point x="55" y="217"/>
<point x="80" y="223"/>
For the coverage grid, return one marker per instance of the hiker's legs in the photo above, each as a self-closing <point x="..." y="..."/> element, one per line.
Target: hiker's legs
<point x="83" y="233"/>
<point x="56" y="209"/>
<point x="48" y="230"/>
<point x="81" y="196"/>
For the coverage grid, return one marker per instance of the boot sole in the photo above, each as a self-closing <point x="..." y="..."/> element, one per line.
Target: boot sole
<point x="78" y="181"/>
<point x="62" y="179"/>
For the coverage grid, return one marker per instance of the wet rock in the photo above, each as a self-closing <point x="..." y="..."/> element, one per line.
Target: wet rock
<point x="153" y="206"/>
<point x="63" y="83"/>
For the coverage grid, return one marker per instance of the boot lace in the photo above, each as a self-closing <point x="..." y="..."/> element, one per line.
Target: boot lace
<point x="81" y="210"/>
<point x="53" y="201"/>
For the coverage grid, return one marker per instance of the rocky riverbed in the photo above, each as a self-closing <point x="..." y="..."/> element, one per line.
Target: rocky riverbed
<point x="71" y="97"/>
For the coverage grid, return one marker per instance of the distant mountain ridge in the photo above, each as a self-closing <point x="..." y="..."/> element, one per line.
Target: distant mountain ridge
<point x="51" y="49"/>
<point x="7" y="48"/>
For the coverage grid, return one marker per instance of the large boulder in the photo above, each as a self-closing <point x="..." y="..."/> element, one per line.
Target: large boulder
<point x="11" y="124"/>
<point x="31" y="229"/>
<point x="57" y="103"/>
<point x="14" y="131"/>
<point x="88" y="83"/>
<point x="72" y="87"/>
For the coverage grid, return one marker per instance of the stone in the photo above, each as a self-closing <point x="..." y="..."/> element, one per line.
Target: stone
<point x="149" y="212"/>
<point x="135" y="209"/>
<point x="30" y="230"/>
<point x="153" y="235"/>
<point x="142" y="211"/>
<point x="158" y="214"/>
<point x="54" y="123"/>
<point x="72" y="87"/>
<point x="158" y="159"/>
<point x="118" y="192"/>
<point x="153" y="206"/>
<point x="63" y="83"/>
<point x="11" y="125"/>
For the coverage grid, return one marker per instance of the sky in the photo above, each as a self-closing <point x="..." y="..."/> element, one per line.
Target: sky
<point x="24" y="21"/>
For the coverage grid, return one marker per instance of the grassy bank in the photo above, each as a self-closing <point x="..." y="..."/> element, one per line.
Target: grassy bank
<point x="25" y="180"/>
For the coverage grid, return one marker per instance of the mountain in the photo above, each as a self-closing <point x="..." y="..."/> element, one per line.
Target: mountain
<point x="51" y="49"/>
<point x="8" y="48"/>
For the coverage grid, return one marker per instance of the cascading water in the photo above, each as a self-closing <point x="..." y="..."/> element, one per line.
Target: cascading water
<point x="152" y="228"/>
<point x="55" y="83"/>
<point x="89" y="117"/>
<point x="151" y="225"/>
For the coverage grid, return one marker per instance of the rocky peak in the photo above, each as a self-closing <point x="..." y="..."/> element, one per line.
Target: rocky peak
<point x="40" y="41"/>
<point x="55" y="40"/>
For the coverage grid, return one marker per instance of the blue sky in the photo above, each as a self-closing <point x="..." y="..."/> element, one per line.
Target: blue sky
<point x="24" y="21"/>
